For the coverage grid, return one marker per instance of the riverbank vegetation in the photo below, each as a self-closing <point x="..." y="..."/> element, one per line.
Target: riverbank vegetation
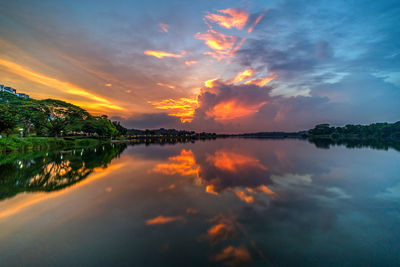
<point x="27" y="124"/>
<point x="45" y="143"/>
<point x="375" y="131"/>
<point x="376" y="135"/>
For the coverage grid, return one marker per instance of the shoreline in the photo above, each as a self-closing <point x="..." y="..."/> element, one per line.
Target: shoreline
<point x="17" y="144"/>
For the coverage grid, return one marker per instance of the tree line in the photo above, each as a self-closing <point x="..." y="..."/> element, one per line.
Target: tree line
<point x="51" y="117"/>
<point x="379" y="131"/>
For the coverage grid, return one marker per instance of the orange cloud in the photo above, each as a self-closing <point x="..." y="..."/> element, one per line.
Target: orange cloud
<point x="231" y="18"/>
<point x="238" y="45"/>
<point x="230" y="161"/>
<point x="220" y="232"/>
<point x="262" y="188"/>
<point x="182" y="108"/>
<point x="59" y="85"/>
<point x="164" y="27"/>
<point x="262" y="81"/>
<point x="244" y="75"/>
<point x="251" y="28"/>
<point x="163" y="220"/>
<point x="223" y="46"/>
<point x="166" y="85"/>
<point x="233" y="256"/>
<point x="232" y="109"/>
<point x="183" y="164"/>
<point x="190" y="62"/>
<point x="216" y="40"/>
<point x="245" y="197"/>
<point x="162" y="54"/>
<point x="108" y="84"/>
<point x="209" y="83"/>
<point x="211" y="189"/>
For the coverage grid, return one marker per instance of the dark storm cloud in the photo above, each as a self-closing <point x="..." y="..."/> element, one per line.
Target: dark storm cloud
<point x="308" y="44"/>
<point x="360" y="97"/>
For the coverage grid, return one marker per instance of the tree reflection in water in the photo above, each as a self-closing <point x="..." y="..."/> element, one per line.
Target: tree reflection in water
<point x="378" y="144"/>
<point x="53" y="170"/>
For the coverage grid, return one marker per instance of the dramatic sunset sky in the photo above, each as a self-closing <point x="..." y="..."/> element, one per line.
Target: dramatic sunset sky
<point x="223" y="66"/>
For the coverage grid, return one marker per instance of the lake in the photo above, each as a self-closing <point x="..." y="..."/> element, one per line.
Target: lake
<point x="226" y="202"/>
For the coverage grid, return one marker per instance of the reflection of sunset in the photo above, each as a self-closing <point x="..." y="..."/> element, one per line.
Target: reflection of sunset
<point x="183" y="164"/>
<point x="232" y="162"/>
<point x="232" y="110"/>
<point x="32" y="199"/>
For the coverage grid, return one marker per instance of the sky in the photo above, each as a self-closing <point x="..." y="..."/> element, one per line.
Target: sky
<point x="217" y="66"/>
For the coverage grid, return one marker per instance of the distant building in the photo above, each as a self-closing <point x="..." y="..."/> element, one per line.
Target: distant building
<point x="23" y="95"/>
<point x="12" y="91"/>
<point x="9" y="90"/>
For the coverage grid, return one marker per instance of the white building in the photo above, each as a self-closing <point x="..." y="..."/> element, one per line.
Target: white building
<point x="12" y="91"/>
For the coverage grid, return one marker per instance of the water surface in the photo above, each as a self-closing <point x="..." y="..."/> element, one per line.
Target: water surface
<point x="229" y="202"/>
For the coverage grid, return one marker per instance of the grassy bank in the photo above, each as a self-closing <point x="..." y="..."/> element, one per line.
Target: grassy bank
<point x="8" y="144"/>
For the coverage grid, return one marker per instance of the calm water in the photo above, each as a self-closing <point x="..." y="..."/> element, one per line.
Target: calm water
<point x="227" y="202"/>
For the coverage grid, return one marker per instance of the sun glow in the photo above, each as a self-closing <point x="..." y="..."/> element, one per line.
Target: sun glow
<point x="232" y="110"/>
<point x="59" y="85"/>
<point x="182" y="108"/>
